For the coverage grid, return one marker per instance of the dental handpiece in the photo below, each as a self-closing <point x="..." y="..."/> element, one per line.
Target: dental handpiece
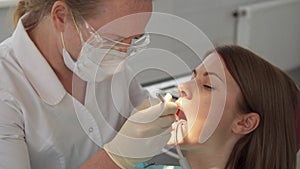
<point x="161" y="98"/>
<point x="184" y="163"/>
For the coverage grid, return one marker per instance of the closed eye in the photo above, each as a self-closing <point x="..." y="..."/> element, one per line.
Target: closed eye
<point x="208" y="87"/>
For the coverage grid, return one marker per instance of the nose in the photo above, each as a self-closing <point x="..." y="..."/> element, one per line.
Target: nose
<point x="185" y="91"/>
<point x="125" y="43"/>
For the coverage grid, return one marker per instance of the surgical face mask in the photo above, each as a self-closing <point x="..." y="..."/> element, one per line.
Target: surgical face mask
<point x="95" y="64"/>
<point x="100" y="56"/>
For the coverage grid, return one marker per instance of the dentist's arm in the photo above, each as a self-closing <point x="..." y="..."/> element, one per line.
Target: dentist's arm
<point x="141" y="137"/>
<point x="13" y="148"/>
<point x="99" y="161"/>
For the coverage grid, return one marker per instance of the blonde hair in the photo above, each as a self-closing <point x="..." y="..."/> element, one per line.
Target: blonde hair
<point x="40" y="8"/>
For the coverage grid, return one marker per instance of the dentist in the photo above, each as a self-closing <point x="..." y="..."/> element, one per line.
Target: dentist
<point x="66" y="91"/>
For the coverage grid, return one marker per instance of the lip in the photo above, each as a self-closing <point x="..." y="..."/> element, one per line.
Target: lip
<point x="180" y="114"/>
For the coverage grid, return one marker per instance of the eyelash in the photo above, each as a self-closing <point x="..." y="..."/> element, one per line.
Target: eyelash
<point x="208" y="87"/>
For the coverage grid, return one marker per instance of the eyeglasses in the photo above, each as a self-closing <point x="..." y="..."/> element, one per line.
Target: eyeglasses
<point x="131" y="45"/>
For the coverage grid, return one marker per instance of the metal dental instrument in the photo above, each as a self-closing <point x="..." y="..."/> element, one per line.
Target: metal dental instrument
<point x="184" y="163"/>
<point x="161" y="98"/>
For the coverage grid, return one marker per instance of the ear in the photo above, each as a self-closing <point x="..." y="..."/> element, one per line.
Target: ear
<point x="245" y="123"/>
<point x="59" y="14"/>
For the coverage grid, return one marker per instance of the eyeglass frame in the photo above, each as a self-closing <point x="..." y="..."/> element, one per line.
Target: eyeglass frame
<point x="129" y="48"/>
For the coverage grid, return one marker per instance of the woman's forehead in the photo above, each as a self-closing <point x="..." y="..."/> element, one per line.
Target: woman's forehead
<point x="213" y="63"/>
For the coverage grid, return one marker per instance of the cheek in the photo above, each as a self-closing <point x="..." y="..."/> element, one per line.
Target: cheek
<point x="72" y="41"/>
<point x="208" y="108"/>
<point x="196" y="113"/>
<point x="224" y="129"/>
<point x="230" y="111"/>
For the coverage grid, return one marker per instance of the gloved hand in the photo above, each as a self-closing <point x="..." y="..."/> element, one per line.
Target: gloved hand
<point x="143" y="135"/>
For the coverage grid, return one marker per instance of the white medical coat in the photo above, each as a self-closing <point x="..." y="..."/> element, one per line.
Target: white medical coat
<point x="44" y="127"/>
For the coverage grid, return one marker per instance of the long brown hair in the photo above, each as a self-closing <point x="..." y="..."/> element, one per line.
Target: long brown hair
<point x="272" y="94"/>
<point x="40" y="8"/>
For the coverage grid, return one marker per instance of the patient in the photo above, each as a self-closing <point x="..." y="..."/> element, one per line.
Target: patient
<point x="240" y="112"/>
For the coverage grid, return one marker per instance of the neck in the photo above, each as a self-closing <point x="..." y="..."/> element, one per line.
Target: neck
<point x="45" y="38"/>
<point x="209" y="155"/>
<point x="202" y="160"/>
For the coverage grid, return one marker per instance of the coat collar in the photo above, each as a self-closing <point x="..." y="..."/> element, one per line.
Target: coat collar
<point x="36" y="68"/>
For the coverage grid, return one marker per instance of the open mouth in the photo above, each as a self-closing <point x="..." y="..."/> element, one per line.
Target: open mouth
<point x="180" y="114"/>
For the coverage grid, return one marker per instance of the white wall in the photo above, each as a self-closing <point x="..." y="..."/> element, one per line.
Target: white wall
<point x="272" y="30"/>
<point x="6" y="25"/>
<point x="213" y="17"/>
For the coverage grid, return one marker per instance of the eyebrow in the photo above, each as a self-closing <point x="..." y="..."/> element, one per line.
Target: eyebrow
<point x="209" y="73"/>
<point x="215" y="74"/>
